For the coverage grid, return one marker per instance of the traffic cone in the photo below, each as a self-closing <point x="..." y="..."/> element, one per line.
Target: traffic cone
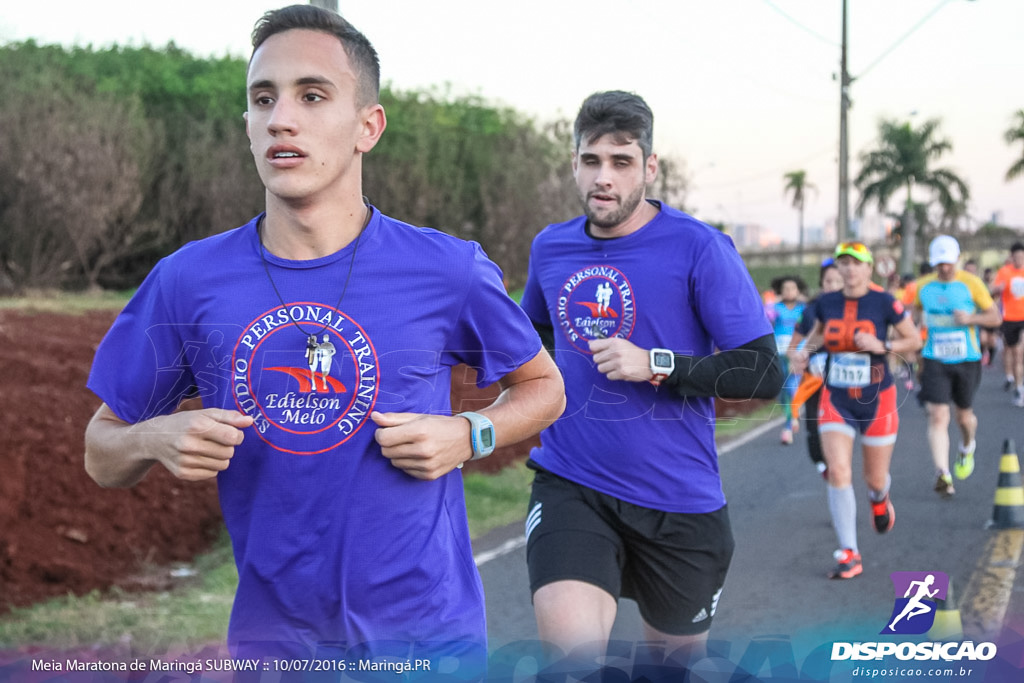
<point x="947" y="624"/>
<point x="1008" y="512"/>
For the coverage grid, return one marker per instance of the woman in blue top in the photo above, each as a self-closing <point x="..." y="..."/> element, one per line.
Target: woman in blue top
<point x="784" y="315"/>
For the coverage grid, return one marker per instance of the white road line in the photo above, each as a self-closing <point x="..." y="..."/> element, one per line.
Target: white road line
<point x="751" y="435"/>
<point x="504" y="549"/>
<point x="517" y="543"/>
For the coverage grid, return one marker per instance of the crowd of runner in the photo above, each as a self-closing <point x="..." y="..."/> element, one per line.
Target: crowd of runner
<point x="848" y="346"/>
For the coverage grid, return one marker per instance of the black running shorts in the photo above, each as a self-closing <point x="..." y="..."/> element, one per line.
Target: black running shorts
<point x="672" y="564"/>
<point x="1011" y="330"/>
<point x="945" y="382"/>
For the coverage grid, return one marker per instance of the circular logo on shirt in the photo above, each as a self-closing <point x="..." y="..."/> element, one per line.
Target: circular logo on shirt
<point x="594" y="303"/>
<point x="307" y="390"/>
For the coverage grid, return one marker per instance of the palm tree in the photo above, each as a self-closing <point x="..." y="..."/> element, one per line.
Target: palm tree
<point x="1015" y="133"/>
<point x="796" y="182"/>
<point x="903" y="160"/>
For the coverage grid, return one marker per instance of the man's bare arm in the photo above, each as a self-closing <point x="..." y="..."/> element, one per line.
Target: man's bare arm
<point x="192" y="444"/>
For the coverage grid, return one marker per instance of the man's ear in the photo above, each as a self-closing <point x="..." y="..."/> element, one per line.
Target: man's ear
<point x="374" y="123"/>
<point x="651" y="168"/>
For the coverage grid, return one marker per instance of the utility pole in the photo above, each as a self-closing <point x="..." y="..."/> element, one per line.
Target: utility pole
<point x="843" y="218"/>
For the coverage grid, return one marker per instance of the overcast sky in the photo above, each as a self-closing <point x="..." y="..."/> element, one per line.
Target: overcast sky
<point x="742" y="90"/>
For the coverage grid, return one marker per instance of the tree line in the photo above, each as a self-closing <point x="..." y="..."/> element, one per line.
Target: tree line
<point x="115" y="157"/>
<point x="903" y="159"/>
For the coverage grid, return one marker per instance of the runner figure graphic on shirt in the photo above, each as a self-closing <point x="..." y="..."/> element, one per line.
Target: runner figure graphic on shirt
<point x="914" y="606"/>
<point x="319" y="354"/>
<point x="604" y="297"/>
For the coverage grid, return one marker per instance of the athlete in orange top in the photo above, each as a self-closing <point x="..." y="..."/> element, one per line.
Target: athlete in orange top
<point x="1009" y="287"/>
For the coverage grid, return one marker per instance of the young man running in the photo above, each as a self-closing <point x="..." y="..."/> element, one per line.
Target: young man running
<point x="338" y="479"/>
<point x="627" y="499"/>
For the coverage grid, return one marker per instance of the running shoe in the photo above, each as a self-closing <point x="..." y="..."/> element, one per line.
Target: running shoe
<point x="1008" y="384"/>
<point x="786" y="436"/>
<point x="848" y="564"/>
<point x="884" y="514"/>
<point x="1018" y="398"/>
<point x="944" y="486"/>
<point x="964" y="465"/>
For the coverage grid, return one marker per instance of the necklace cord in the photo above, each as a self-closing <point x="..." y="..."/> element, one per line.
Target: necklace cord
<point x="348" y="276"/>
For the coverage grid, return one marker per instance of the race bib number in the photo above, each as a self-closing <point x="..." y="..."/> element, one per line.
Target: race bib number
<point x="1017" y="287"/>
<point x="783" y="342"/>
<point x="850" y="371"/>
<point x="950" y="346"/>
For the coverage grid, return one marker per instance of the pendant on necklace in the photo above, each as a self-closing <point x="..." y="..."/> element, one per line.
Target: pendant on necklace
<point x="319" y="355"/>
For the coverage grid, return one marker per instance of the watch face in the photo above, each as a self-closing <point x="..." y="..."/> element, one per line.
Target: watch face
<point x="662" y="359"/>
<point x="487" y="436"/>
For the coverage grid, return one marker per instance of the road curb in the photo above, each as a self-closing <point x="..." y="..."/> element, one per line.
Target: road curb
<point x="988" y="593"/>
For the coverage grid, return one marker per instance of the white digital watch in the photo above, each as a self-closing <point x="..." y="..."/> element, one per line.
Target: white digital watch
<point x="663" y="362"/>
<point x="481" y="434"/>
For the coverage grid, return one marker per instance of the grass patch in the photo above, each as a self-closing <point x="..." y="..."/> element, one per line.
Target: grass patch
<point x="727" y="428"/>
<point x="71" y="303"/>
<point x="494" y="500"/>
<point x="194" y="613"/>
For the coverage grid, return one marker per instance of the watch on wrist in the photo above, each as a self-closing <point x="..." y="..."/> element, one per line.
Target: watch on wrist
<point x="663" y="362"/>
<point x="481" y="434"/>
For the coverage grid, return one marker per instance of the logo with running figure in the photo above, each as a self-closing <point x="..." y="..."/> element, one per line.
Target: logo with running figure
<point x="307" y="374"/>
<point x="594" y="303"/>
<point x="916" y="593"/>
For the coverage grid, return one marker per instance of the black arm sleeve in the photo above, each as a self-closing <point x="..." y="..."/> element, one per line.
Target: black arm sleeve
<point x="749" y="371"/>
<point x="547" y="335"/>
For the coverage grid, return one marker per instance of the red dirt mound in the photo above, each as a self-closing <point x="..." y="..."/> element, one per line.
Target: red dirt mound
<point x="60" y="532"/>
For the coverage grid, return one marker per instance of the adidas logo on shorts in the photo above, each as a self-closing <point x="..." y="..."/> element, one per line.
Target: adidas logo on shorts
<point x="532" y="520"/>
<point x="701" y="616"/>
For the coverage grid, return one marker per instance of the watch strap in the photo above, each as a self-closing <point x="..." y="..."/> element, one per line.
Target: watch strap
<point x="481" y="434"/>
<point x="659" y="373"/>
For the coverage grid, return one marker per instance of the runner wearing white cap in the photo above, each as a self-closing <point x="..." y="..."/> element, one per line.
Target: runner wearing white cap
<point x="953" y="304"/>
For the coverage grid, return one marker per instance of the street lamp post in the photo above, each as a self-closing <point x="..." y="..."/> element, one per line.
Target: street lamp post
<point x="843" y="218"/>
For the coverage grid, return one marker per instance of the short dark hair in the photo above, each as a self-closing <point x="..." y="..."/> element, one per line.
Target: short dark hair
<point x="779" y="281"/>
<point x="622" y="114"/>
<point x="358" y="48"/>
<point x="1016" y="246"/>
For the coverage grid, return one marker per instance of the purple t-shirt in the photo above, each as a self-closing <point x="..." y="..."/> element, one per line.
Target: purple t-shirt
<point x="333" y="543"/>
<point x="676" y="283"/>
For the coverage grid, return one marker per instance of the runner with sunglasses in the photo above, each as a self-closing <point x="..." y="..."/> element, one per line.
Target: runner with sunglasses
<point x="852" y="325"/>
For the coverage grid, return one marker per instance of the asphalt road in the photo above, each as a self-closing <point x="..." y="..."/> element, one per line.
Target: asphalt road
<point x="778" y="605"/>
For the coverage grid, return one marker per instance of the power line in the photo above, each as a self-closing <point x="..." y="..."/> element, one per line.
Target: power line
<point x="767" y="174"/>
<point x="800" y="26"/>
<point x="902" y="38"/>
